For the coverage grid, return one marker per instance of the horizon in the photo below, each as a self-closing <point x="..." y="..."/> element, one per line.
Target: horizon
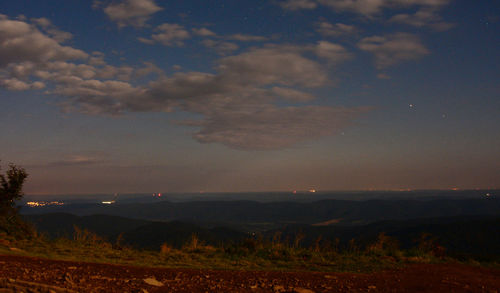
<point x="243" y="195"/>
<point x="100" y="97"/>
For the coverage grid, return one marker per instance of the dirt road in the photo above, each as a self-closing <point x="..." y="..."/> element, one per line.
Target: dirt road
<point x="41" y="275"/>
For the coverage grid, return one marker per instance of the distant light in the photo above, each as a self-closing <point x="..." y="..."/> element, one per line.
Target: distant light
<point x="108" y="202"/>
<point x="488" y="195"/>
<point x="44" y="203"/>
<point x="294" y="192"/>
<point x="159" y="194"/>
<point x="312" y="190"/>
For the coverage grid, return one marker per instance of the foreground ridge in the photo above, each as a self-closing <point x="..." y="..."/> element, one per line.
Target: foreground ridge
<point x="43" y="275"/>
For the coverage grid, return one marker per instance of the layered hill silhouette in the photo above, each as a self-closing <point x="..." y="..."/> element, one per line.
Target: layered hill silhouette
<point x="344" y="212"/>
<point x="463" y="237"/>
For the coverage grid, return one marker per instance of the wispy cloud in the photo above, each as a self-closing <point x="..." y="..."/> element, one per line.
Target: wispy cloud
<point x="168" y="34"/>
<point x="298" y="4"/>
<point x="52" y="30"/>
<point x="221" y="47"/>
<point x="76" y="160"/>
<point x="333" y="53"/>
<point x="246" y="38"/>
<point x="335" y="30"/>
<point x="204" y="32"/>
<point x="424" y="17"/>
<point x="364" y="7"/>
<point x="270" y="127"/>
<point x="393" y="49"/>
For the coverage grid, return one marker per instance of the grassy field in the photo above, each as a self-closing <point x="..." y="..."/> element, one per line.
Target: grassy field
<point x="251" y="254"/>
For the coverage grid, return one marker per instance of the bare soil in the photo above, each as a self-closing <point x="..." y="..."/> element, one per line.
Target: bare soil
<point x="28" y="274"/>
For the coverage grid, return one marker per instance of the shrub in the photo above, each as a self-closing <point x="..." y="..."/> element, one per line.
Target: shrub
<point x="165" y="248"/>
<point x="385" y="245"/>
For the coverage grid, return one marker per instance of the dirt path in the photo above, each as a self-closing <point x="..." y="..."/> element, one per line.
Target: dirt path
<point x="41" y="275"/>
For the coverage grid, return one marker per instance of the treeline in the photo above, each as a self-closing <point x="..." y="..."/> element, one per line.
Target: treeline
<point x="462" y="237"/>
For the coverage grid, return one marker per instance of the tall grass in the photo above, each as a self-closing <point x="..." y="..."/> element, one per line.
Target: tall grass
<point x="255" y="253"/>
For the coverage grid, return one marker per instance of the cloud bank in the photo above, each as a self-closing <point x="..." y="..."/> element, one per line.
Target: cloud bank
<point x="252" y="101"/>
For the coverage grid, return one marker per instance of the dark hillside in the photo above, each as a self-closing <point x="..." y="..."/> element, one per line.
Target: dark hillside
<point x="62" y="224"/>
<point x="462" y="237"/>
<point x="216" y="213"/>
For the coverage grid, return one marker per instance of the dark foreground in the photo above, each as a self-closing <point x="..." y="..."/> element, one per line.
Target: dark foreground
<point x="27" y="274"/>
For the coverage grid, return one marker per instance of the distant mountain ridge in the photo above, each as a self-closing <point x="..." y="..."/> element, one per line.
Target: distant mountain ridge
<point x="339" y="212"/>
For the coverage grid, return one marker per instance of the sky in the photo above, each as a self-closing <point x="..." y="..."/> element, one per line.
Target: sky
<point x="132" y="96"/>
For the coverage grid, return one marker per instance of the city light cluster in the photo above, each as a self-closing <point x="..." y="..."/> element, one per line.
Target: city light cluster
<point x="44" y="203"/>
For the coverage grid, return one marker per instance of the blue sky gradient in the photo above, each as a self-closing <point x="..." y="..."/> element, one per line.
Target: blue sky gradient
<point x="184" y="96"/>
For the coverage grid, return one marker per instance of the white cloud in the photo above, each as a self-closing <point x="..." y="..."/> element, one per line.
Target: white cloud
<point x="148" y="69"/>
<point x="168" y="34"/>
<point x="279" y="64"/>
<point x="246" y="38"/>
<point x="239" y="78"/>
<point x="298" y="4"/>
<point x="292" y="94"/>
<point x="204" y="32"/>
<point x="335" y="30"/>
<point x="95" y="97"/>
<point x="333" y="53"/>
<point x="268" y="127"/>
<point x="55" y="33"/>
<point x="60" y="68"/>
<point x="238" y="103"/>
<point x="364" y="7"/>
<point x="392" y="49"/>
<point x="97" y="59"/>
<point x="130" y="12"/>
<point x="423" y="18"/>
<point x="222" y="48"/>
<point x="237" y="108"/>
<point x="21" y="42"/>
<point x="434" y="3"/>
<point x="14" y="84"/>
<point x="21" y="70"/>
<point x="30" y="59"/>
<point x="183" y="86"/>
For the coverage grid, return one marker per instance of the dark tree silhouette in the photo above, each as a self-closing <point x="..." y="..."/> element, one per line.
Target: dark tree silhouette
<point x="11" y="189"/>
<point x="11" y="185"/>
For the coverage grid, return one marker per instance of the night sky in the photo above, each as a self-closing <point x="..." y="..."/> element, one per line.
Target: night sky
<point x="135" y="96"/>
